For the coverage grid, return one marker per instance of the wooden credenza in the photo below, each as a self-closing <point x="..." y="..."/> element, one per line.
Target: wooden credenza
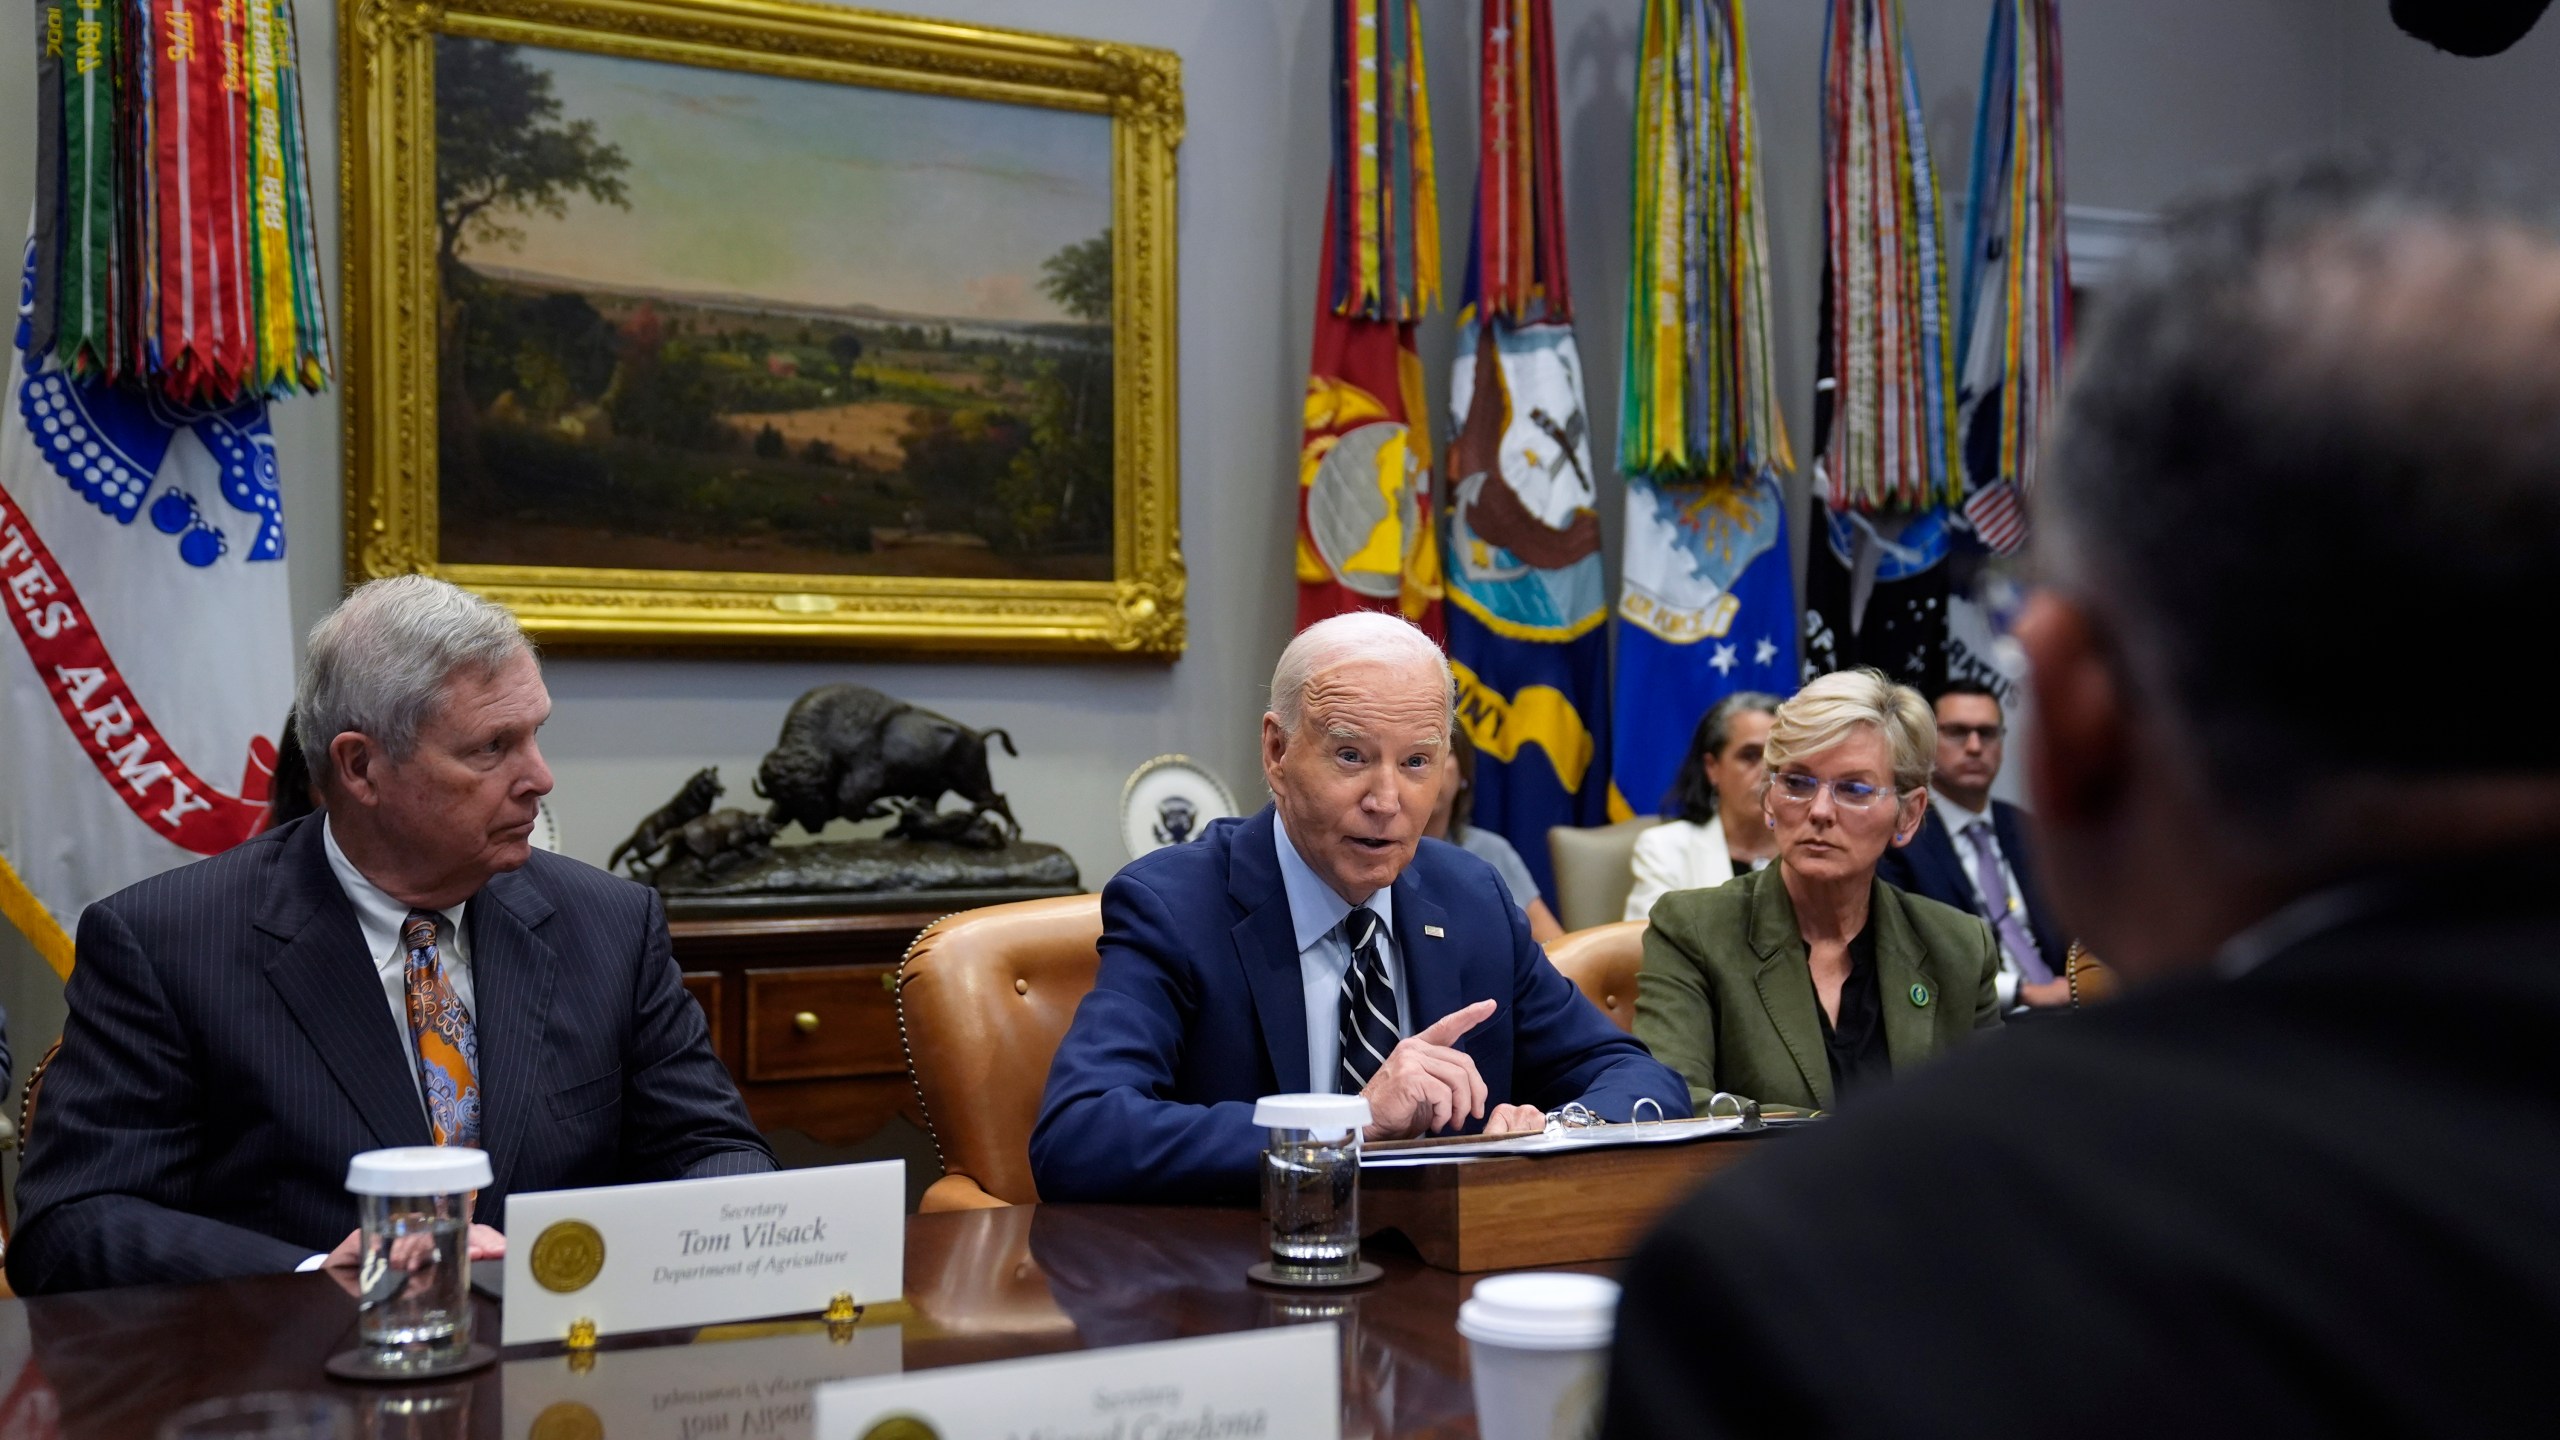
<point x="804" y="1011"/>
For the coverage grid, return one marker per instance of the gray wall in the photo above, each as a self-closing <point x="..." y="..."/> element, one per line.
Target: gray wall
<point x="2160" y="93"/>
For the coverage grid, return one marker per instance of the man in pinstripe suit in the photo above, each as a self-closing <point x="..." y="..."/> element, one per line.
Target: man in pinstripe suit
<point x="399" y="969"/>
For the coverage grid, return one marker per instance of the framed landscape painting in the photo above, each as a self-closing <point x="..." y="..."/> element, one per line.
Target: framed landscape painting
<point x="740" y="322"/>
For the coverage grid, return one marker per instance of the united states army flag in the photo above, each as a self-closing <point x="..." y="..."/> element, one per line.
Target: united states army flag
<point x="148" y="660"/>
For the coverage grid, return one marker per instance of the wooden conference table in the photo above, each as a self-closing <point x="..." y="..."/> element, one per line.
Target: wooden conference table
<point x="981" y="1285"/>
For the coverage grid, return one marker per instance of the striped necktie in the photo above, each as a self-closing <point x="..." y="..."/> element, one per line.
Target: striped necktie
<point x="440" y="1027"/>
<point x="1368" y="1033"/>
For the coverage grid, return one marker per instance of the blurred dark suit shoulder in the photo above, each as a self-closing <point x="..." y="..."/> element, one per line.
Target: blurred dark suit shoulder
<point x="2319" y="1198"/>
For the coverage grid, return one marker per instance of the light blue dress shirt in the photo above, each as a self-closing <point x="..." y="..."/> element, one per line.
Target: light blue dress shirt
<point x="1324" y="957"/>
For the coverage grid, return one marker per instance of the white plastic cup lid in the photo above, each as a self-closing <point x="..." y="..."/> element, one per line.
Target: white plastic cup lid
<point x="1541" y="1310"/>
<point x="419" y="1170"/>
<point x="1322" y="1114"/>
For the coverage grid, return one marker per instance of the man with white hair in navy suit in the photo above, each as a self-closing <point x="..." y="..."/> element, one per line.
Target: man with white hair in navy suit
<point x="1325" y="945"/>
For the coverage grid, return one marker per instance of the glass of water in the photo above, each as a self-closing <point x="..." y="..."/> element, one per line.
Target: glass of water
<point x="413" y="1281"/>
<point x="1311" y="1183"/>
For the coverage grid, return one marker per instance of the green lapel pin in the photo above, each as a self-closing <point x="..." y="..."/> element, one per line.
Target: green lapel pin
<point x="1920" y="995"/>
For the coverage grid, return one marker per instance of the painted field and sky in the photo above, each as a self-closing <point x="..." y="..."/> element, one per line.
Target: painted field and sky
<point x="775" y="325"/>
<point x="822" y="195"/>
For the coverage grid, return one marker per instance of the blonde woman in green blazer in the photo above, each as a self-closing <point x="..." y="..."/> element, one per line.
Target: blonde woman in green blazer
<point x="1812" y="979"/>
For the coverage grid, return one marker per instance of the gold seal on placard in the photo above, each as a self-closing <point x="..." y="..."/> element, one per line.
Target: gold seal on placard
<point x="567" y="1420"/>
<point x="902" y="1427"/>
<point x="567" y="1256"/>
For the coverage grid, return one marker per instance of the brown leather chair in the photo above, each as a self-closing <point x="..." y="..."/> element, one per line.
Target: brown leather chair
<point x="1595" y="868"/>
<point x="1602" y="963"/>
<point x="984" y="997"/>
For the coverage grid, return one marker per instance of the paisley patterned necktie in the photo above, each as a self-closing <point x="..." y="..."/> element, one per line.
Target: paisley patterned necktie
<point x="448" y="1044"/>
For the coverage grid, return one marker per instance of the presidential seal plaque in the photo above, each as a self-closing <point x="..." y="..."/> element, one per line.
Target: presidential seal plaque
<point x="567" y="1256"/>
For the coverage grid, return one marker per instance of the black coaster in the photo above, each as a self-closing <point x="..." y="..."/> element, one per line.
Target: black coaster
<point x="1362" y="1274"/>
<point x="361" y="1364"/>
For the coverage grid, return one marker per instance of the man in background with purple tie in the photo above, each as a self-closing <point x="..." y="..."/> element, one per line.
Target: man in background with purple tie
<point x="1974" y="852"/>
<point x="1322" y="945"/>
<point x="400" y="968"/>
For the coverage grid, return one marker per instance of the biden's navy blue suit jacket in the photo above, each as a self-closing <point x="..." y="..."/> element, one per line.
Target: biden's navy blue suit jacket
<point x="1200" y="1009"/>
<point x="229" y="1047"/>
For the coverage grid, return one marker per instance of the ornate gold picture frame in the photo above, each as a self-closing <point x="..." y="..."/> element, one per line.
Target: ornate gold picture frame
<point x="744" y="322"/>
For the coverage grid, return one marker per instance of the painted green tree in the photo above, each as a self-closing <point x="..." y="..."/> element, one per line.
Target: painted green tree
<point x="1057" y="492"/>
<point x="504" y="155"/>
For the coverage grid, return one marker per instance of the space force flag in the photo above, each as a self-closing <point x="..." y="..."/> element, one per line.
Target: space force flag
<point x="149" y="649"/>
<point x="1527" y="600"/>
<point x="1708" y="596"/>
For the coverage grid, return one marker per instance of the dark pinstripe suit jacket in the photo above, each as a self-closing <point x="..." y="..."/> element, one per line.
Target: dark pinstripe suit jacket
<point x="229" y="1047"/>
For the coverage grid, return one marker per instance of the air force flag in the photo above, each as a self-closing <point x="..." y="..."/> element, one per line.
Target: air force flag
<point x="1708" y="608"/>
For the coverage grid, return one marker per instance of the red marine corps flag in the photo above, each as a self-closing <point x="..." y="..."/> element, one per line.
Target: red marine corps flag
<point x="1366" y="520"/>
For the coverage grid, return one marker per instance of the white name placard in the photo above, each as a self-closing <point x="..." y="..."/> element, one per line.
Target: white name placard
<point x="701" y="1252"/>
<point x="760" y="1388"/>
<point x="1283" y="1384"/>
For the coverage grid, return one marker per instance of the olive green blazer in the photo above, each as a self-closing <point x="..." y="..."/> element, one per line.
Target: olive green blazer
<point x="1726" y="995"/>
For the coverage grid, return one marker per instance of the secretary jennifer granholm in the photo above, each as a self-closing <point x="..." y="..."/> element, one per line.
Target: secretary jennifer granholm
<point x="1812" y="980"/>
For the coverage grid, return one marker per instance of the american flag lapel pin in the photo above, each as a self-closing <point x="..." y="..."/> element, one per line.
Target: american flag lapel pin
<point x="1435" y="932"/>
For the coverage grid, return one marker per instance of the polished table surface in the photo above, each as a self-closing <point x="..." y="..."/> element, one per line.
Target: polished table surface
<point x="981" y="1285"/>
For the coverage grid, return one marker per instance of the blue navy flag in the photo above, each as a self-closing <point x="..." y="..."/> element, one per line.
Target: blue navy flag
<point x="1709" y="608"/>
<point x="1526" y="596"/>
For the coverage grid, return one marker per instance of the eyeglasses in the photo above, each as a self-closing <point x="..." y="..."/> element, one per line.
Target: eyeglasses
<point x="1798" y="791"/>
<point x="1987" y="734"/>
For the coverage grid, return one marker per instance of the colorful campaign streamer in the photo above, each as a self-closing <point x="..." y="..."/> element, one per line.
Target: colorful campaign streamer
<point x="1886" y="414"/>
<point x="176" y="247"/>
<point x="1526" y="594"/>
<point x="1708" y="601"/>
<point x="1385" y="211"/>
<point x="1366" y="533"/>
<point x="1876" y="587"/>
<point x="2016" y="303"/>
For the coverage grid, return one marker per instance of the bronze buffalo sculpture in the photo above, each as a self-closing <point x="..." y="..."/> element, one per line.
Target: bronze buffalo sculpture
<point x="850" y="752"/>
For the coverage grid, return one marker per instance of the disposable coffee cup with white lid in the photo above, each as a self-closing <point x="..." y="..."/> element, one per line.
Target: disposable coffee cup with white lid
<point x="419" y="1170"/>
<point x="1538" y="1344"/>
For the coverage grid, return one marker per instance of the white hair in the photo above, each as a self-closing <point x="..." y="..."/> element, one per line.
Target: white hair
<point x="1357" y="635"/>
<point x="377" y="664"/>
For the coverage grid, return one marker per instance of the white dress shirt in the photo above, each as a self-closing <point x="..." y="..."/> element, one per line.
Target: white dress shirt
<point x="1324" y="957"/>
<point x="1679" y="855"/>
<point x="379" y="918"/>
<point x="1958" y="821"/>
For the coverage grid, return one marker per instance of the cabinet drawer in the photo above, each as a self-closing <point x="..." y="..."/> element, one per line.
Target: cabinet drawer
<point x="704" y="987"/>
<point x="816" y="1024"/>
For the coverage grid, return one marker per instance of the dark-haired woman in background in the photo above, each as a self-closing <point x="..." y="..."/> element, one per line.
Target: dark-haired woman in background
<point x="1718" y="834"/>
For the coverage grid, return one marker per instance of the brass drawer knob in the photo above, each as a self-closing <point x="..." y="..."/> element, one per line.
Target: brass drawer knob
<point x="806" y="1022"/>
<point x="1021" y="986"/>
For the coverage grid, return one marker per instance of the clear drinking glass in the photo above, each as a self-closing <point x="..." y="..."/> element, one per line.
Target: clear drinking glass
<point x="272" y="1415"/>
<point x="1311" y="1183"/>
<point x="413" y="1300"/>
